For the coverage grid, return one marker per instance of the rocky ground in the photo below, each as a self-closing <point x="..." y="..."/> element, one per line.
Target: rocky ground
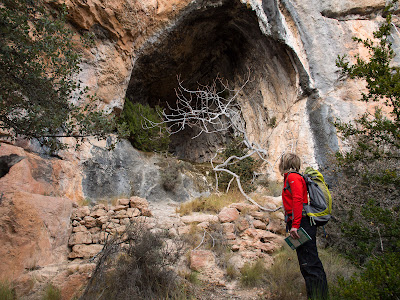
<point x="248" y="233"/>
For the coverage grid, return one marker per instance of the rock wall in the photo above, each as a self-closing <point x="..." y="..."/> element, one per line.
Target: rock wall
<point x="288" y="46"/>
<point x="289" y="49"/>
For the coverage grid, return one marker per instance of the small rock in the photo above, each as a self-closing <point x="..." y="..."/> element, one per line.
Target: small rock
<point x="81" y="212"/>
<point x="201" y="259"/>
<point x="242" y="224"/>
<point x="228" y="227"/>
<point x="123" y="202"/>
<point x="103" y="220"/>
<point x="122" y="214"/>
<point x="198" y="218"/>
<point x="172" y="232"/>
<point x="235" y="247"/>
<point x="259" y="224"/>
<point x="228" y="214"/>
<point x="99" y="206"/>
<point x="94" y="230"/>
<point x="203" y="225"/>
<point x="132" y="212"/>
<point x="140" y="203"/>
<point x="89" y="222"/>
<point x="80" y="238"/>
<point x="125" y="221"/>
<point x="245" y="207"/>
<point x="276" y="226"/>
<point x="79" y="228"/>
<point x="85" y="251"/>
<point x="184" y="229"/>
<point x="98" y="213"/>
<point x="120" y="207"/>
<point x="251" y="232"/>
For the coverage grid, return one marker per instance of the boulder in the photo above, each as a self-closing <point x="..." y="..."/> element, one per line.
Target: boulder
<point x="34" y="231"/>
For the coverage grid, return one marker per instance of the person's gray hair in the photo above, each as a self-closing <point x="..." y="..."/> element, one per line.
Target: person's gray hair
<point x="289" y="162"/>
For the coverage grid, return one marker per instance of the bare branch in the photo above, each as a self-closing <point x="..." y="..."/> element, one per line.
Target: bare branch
<point x="211" y="111"/>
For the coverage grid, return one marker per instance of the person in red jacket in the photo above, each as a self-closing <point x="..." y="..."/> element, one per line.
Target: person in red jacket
<point x="294" y="195"/>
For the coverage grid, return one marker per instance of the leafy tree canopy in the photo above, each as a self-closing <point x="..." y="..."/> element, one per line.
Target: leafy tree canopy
<point x="378" y="135"/>
<point x="38" y="61"/>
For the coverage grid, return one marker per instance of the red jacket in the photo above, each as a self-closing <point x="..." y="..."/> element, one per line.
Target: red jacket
<point x="294" y="198"/>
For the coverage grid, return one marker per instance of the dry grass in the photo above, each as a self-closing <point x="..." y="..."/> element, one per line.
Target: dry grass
<point x="252" y="274"/>
<point x="212" y="204"/>
<point x="284" y="279"/>
<point x="7" y="291"/>
<point x="274" y="188"/>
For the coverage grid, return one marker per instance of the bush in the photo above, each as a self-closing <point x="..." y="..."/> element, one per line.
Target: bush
<point x="137" y="116"/>
<point x="379" y="280"/>
<point x="367" y="208"/>
<point x="244" y="168"/>
<point x="136" y="264"/>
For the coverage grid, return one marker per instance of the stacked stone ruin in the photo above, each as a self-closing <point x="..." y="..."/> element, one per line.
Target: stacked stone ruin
<point x="91" y="226"/>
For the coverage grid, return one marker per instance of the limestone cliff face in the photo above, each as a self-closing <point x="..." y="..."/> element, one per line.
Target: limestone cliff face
<point x="288" y="46"/>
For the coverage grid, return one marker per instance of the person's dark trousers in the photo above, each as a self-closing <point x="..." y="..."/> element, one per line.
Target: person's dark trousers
<point x="310" y="265"/>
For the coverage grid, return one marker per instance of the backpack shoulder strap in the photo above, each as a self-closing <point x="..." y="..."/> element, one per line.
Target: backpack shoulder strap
<point x="287" y="180"/>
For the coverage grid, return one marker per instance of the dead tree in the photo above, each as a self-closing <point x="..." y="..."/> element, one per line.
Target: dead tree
<point x="208" y="109"/>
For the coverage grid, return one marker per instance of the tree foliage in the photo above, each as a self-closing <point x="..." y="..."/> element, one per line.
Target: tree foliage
<point x="38" y="67"/>
<point x="245" y="168"/>
<point x="377" y="135"/>
<point x="135" y="115"/>
<point x="368" y="173"/>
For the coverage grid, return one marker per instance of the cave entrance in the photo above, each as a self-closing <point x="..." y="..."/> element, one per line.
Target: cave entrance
<point x="224" y="41"/>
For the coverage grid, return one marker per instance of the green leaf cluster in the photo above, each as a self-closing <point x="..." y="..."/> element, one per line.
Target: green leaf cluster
<point x="244" y="168"/>
<point x="368" y="175"/>
<point x="377" y="135"/>
<point x="379" y="280"/>
<point x="377" y="232"/>
<point x="40" y="97"/>
<point x="143" y="137"/>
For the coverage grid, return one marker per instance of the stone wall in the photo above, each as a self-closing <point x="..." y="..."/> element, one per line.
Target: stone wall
<point x="92" y="226"/>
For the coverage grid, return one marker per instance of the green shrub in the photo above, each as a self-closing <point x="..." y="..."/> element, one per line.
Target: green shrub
<point x="244" y="168"/>
<point x="7" y="292"/>
<point x="52" y="293"/>
<point x="137" y="116"/>
<point x="252" y="274"/>
<point x="379" y="280"/>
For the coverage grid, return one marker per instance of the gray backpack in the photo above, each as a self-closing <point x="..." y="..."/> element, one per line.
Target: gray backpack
<point x="319" y="207"/>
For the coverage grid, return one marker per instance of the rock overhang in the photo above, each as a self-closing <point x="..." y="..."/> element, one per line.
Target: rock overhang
<point x="224" y="40"/>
